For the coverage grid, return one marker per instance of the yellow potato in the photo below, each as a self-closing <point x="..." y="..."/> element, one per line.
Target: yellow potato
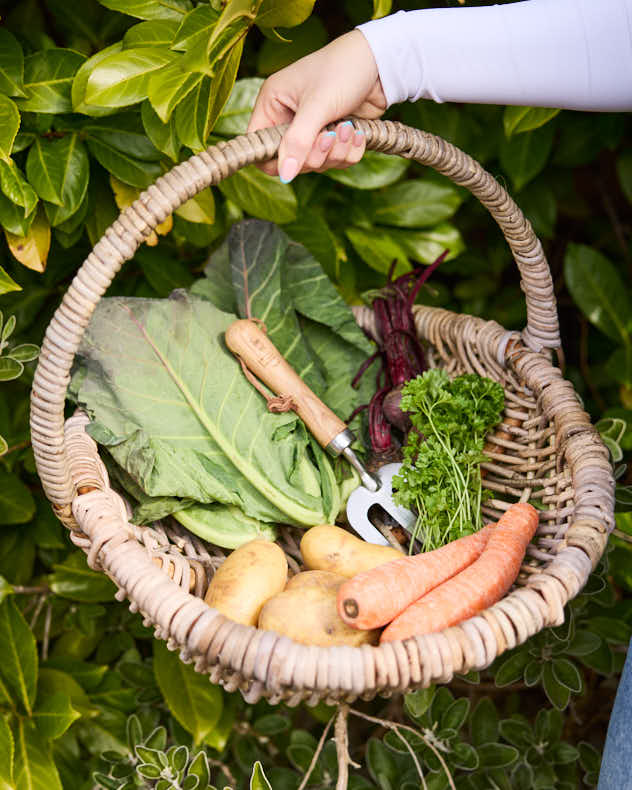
<point x="329" y="548"/>
<point x="247" y="578"/>
<point x="320" y="580"/>
<point x="307" y="613"/>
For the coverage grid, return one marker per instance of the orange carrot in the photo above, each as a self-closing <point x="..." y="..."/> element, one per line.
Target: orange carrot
<point x="478" y="586"/>
<point x="374" y="597"/>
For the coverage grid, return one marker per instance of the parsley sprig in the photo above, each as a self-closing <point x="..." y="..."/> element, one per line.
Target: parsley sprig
<point x="440" y="477"/>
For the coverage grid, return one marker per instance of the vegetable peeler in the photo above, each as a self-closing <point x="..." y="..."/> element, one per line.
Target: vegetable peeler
<point x="263" y="359"/>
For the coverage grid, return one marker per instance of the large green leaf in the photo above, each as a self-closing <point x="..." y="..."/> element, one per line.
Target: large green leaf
<point x="7" y="750"/>
<point x="80" y="82"/>
<point x="195" y="29"/>
<point x="312" y="231"/>
<point x="150" y="9"/>
<point x="121" y="78"/>
<point x="9" y="125"/>
<point x="206" y="436"/>
<point x="236" y="17"/>
<point x="17" y="505"/>
<point x="11" y="64"/>
<point x="524" y="156"/>
<point x="374" y="170"/>
<point x="416" y="203"/>
<point x="16" y="187"/>
<point x="162" y="135"/>
<point x="599" y="291"/>
<point x="524" y="119"/>
<point x="238" y="109"/>
<point x="124" y="132"/>
<point x="12" y="217"/>
<point x="59" y="170"/>
<point x="75" y="580"/>
<point x="34" y="765"/>
<point x="378" y="247"/>
<point x="261" y="195"/>
<point x="126" y="168"/>
<point x="158" y="33"/>
<point x="7" y="284"/>
<point x="426" y="245"/>
<point x="169" y="86"/>
<point x="300" y="41"/>
<point x="283" y="13"/>
<point x="18" y="656"/>
<point x="48" y="77"/>
<point x="53" y="716"/>
<point x="194" y="702"/>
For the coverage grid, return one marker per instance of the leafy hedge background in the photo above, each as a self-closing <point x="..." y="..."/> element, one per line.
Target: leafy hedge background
<point x="97" y="98"/>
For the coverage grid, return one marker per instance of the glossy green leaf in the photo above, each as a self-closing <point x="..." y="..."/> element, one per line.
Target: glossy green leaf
<point x="312" y="231"/>
<point x="87" y="674"/>
<point x="16" y="187"/>
<point x="195" y="29"/>
<point x="12" y="217"/>
<point x="7" y="284"/>
<point x="300" y="41"/>
<point x="194" y="702"/>
<point x="73" y="579"/>
<point x="162" y="135"/>
<point x="524" y="119"/>
<point x="53" y="715"/>
<point x="150" y="9"/>
<point x="9" y="123"/>
<point x="22" y="141"/>
<point x="34" y="765"/>
<point x="124" y="132"/>
<point x="238" y="109"/>
<point x="126" y="168"/>
<point x="261" y="195"/>
<point x="374" y="170"/>
<point x="379" y="248"/>
<point x="381" y="8"/>
<point x="169" y="86"/>
<point x="18" y="656"/>
<point x="102" y="208"/>
<point x="599" y="291"/>
<point x="199" y="208"/>
<point x="59" y="171"/>
<point x="236" y="17"/>
<point x="17" y="505"/>
<point x="415" y="203"/>
<point x="522" y="157"/>
<point x="122" y="78"/>
<point x="11" y="64"/>
<point x="283" y="13"/>
<point x="158" y="33"/>
<point x="426" y="245"/>
<point x="624" y="171"/>
<point x="48" y="77"/>
<point x="258" y="780"/>
<point x="80" y="82"/>
<point x="162" y="271"/>
<point x="7" y="750"/>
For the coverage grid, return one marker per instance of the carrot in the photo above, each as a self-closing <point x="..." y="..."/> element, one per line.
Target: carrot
<point x="374" y="597"/>
<point x="478" y="586"/>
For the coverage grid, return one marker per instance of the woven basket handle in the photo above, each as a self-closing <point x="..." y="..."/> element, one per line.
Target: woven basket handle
<point x="121" y="240"/>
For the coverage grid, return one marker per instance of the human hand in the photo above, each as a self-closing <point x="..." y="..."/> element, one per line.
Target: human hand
<point x="339" y="79"/>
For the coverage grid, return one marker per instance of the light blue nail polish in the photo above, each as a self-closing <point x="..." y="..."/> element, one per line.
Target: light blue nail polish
<point x="347" y="123"/>
<point x="330" y="134"/>
<point x="284" y="180"/>
<point x="359" y="131"/>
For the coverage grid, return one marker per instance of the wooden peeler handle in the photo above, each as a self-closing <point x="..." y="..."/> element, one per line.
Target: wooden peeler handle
<point x="261" y="356"/>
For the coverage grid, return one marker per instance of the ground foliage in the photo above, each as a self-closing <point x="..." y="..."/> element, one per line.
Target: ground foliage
<point x="95" y="103"/>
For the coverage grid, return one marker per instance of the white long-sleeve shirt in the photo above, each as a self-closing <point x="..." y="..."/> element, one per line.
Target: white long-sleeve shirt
<point x="573" y="54"/>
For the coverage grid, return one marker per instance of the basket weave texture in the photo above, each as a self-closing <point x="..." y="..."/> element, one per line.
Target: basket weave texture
<point x="552" y="454"/>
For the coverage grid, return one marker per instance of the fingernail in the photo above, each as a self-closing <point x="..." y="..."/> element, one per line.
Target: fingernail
<point x="289" y="169"/>
<point x="358" y="137"/>
<point x="327" y="140"/>
<point x="346" y="131"/>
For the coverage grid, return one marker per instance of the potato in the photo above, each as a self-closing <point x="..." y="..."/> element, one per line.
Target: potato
<point x="329" y="548"/>
<point x="247" y="578"/>
<point x="306" y="612"/>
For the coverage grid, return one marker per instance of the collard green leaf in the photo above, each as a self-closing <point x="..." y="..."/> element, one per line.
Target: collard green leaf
<point x="185" y="442"/>
<point x="53" y="716"/>
<point x="194" y="702"/>
<point x="261" y="195"/>
<point x="599" y="291"/>
<point x="121" y="78"/>
<point x="258" y="780"/>
<point x="163" y="135"/>
<point x="7" y="284"/>
<point x="73" y="579"/>
<point x="222" y="525"/>
<point x="157" y="33"/>
<point x="524" y="119"/>
<point x="18" y="656"/>
<point x="48" y="77"/>
<point x="415" y="203"/>
<point x="7" y="750"/>
<point x="17" y="505"/>
<point x="59" y="171"/>
<point x="524" y="156"/>
<point x="150" y="9"/>
<point x="11" y="64"/>
<point x="238" y="108"/>
<point x="374" y="170"/>
<point x="9" y="123"/>
<point x="34" y="765"/>
<point x="16" y="187"/>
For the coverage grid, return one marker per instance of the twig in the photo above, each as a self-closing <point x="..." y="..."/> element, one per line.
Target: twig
<point x="46" y="638"/>
<point x="342" y="748"/>
<point x="316" y="755"/>
<point x="390" y="725"/>
<point x="223" y="767"/>
<point x="40" y="603"/>
<point x="21" y="590"/>
<point x="19" y="446"/>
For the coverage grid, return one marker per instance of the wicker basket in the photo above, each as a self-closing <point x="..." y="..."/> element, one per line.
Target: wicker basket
<point x="553" y="454"/>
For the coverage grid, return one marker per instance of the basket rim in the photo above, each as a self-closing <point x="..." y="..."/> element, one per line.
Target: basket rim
<point x="264" y="664"/>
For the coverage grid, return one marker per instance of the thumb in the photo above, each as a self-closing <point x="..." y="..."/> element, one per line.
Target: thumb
<point x="299" y="139"/>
